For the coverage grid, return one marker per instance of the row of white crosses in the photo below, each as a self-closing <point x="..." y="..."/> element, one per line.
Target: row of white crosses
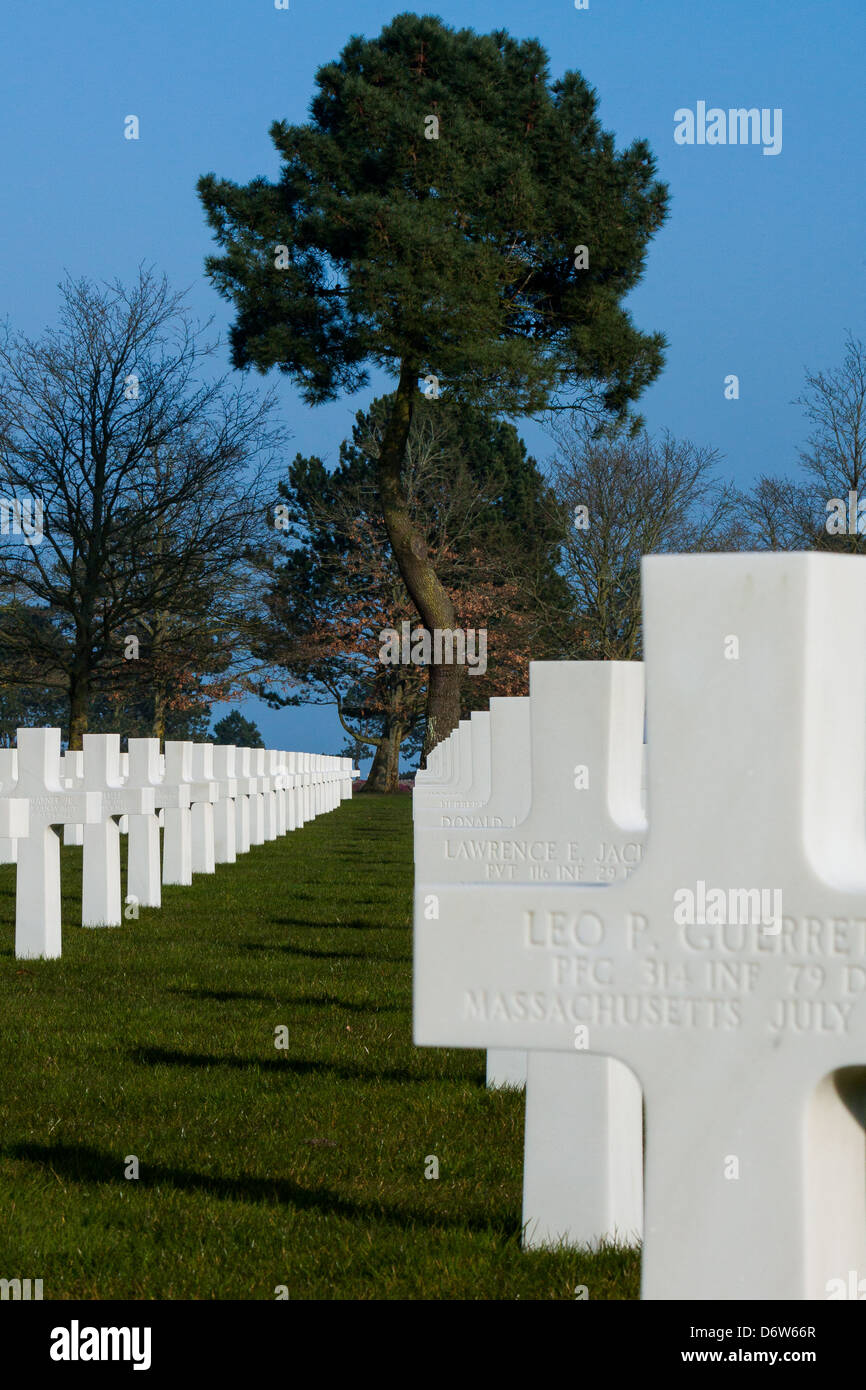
<point x="508" y="813"/>
<point x="215" y="802"/>
<point x="586" y="935"/>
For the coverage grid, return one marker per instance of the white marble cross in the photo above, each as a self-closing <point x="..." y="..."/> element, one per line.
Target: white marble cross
<point x="460" y="781"/>
<point x="462" y="802"/>
<point x="272" y="797"/>
<point x="8" y="778"/>
<point x="257" y="799"/>
<point x="203" y="847"/>
<point x="100" y="895"/>
<point x="315" y="784"/>
<point x="177" y="839"/>
<point x="293" y="783"/>
<point x="37" y="893"/>
<point x="144" y="879"/>
<point x="326" y="778"/>
<point x="301" y="790"/>
<point x="305" y="764"/>
<point x="728" y="970"/>
<point x="281" y="794"/>
<point x="346" y="779"/>
<point x="332" y="770"/>
<point x="72" y="777"/>
<point x="437" y="768"/>
<point x="124" y="776"/>
<point x="582" y="753"/>
<point x="246" y="785"/>
<point x="467" y="784"/>
<point x="322" y="785"/>
<point x="225" y="823"/>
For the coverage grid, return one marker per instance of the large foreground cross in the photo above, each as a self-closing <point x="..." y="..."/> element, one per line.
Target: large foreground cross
<point x="37" y="891"/>
<point x="742" y="1015"/>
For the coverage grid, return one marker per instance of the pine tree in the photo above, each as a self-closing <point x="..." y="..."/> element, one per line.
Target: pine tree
<point x="425" y="221"/>
<point x="233" y="728"/>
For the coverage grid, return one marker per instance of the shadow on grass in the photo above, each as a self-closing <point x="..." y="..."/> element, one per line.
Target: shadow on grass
<point x="330" y="1001"/>
<point x="318" y="925"/>
<point x="312" y="954"/>
<point x="313" y="1001"/>
<point x="344" y="1071"/>
<point x="224" y="996"/>
<point x="82" y="1164"/>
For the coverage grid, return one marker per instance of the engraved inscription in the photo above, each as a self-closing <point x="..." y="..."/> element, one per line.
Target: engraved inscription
<point x="59" y="806"/>
<point x="813" y="973"/>
<point x="553" y="861"/>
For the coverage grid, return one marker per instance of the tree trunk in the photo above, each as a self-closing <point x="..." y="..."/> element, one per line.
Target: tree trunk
<point x="158" y="726"/>
<point x="410" y="551"/>
<point x="378" y="775"/>
<point x="160" y="624"/>
<point x="79" y="707"/>
<point x="443" y="705"/>
<point x="384" y="773"/>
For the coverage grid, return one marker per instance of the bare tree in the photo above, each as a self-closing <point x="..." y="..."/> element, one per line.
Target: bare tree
<point x="781" y="513"/>
<point x="153" y="482"/>
<point x="835" y="404"/>
<point x="625" y="497"/>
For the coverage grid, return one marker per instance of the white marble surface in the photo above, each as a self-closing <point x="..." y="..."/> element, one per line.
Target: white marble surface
<point x="754" y="1168"/>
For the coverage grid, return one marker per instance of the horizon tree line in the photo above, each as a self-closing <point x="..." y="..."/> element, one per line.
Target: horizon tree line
<point x="486" y="254"/>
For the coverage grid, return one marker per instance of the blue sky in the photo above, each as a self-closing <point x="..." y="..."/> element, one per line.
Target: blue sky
<point x="759" y="271"/>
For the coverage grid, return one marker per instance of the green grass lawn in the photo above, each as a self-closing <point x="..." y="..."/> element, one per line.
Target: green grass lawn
<point x="259" y="1167"/>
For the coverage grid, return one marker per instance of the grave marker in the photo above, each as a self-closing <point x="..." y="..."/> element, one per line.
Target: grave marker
<point x="246" y="787"/>
<point x="293" y="779"/>
<point x="281" y="795"/>
<point x="100" y="895"/>
<point x="37" y="893"/>
<point x="202" y="810"/>
<point x="146" y="768"/>
<point x="225" y="822"/>
<point x="582" y="1136"/>
<point x="72" y="776"/>
<point x="177" y="840"/>
<point x="8" y="778"/>
<point x="749" y="1036"/>
<point x="258" y="796"/>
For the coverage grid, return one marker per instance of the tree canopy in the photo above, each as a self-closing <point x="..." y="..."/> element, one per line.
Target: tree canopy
<point x="425" y="220"/>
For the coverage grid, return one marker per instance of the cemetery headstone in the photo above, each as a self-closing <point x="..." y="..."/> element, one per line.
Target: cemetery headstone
<point x="146" y="770"/>
<point x="727" y="970"/>
<point x="8" y="778"/>
<point x="37" y="893"/>
<point x="72" y="776"/>
<point x="246" y="788"/>
<point x="177" y="840"/>
<point x="582" y="757"/>
<point x="202" y="810"/>
<point x="100" y="896"/>
<point x="225" y="823"/>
